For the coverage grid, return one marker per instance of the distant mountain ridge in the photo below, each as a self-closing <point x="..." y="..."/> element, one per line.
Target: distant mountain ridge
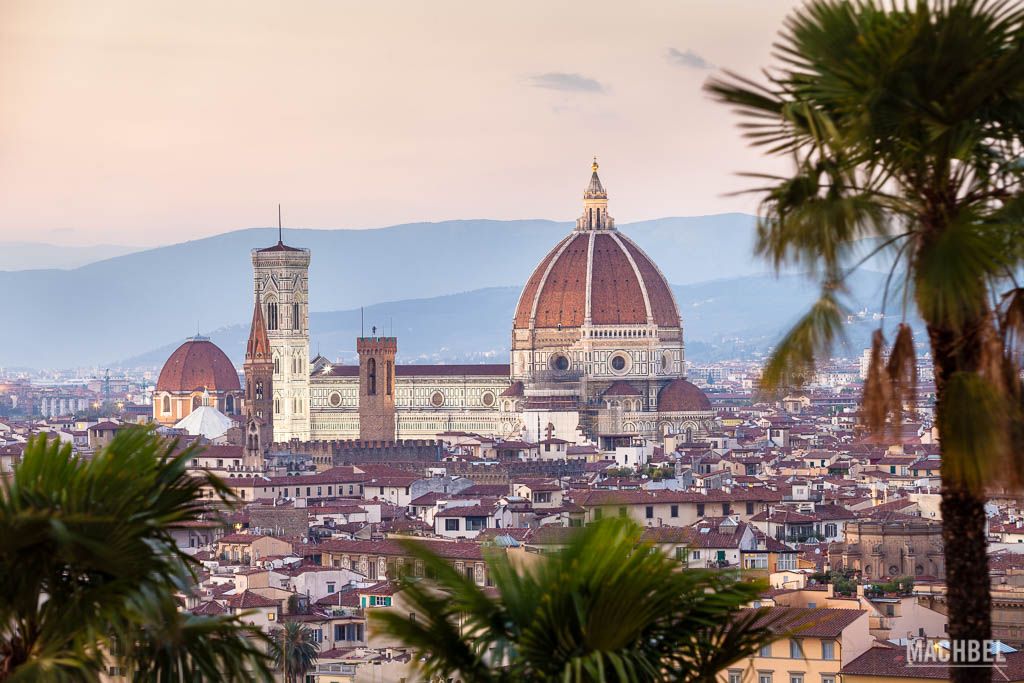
<point x="729" y="318"/>
<point x="41" y="256"/>
<point x="123" y="306"/>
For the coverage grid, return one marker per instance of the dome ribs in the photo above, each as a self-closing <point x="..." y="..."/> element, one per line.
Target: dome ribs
<point x="616" y="297"/>
<point x="198" y="364"/>
<point x="663" y="303"/>
<point x="524" y="310"/>
<point x="563" y="296"/>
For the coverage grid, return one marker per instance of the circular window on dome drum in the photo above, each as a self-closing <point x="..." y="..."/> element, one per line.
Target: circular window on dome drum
<point x="619" y="363"/>
<point x="559" y="362"/>
<point x="334" y="399"/>
<point x="437" y="399"/>
<point x="487" y="399"/>
<point x="666" y="361"/>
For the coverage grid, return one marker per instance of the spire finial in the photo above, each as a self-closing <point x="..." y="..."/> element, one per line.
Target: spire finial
<point x="593" y="166"/>
<point x="280" y="239"/>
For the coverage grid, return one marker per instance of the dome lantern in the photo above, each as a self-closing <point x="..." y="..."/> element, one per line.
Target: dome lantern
<point x="595" y="205"/>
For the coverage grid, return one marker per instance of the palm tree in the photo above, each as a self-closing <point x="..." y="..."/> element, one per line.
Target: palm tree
<point x="90" y="568"/>
<point x="294" y="650"/>
<point x="904" y="126"/>
<point x="604" y="608"/>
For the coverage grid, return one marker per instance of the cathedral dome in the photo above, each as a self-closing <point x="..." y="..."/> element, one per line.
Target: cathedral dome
<point x="680" y="396"/>
<point x="198" y="364"/>
<point x="596" y="276"/>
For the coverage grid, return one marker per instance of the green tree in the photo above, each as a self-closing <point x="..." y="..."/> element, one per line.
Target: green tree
<point x="90" y="569"/>
<point x="604" y="608"/>
<point x="294" y="650"/>
<point x="904" y="126"/>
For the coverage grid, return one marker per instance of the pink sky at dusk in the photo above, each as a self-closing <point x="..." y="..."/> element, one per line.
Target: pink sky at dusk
<point x="143" y="123"/>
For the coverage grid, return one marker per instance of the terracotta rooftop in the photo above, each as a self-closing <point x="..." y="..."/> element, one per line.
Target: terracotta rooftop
<point x="891" y="662"/>
<point x="251" y="600"/>
<point x="808" y="622"/>
<point x="451" y="550"/>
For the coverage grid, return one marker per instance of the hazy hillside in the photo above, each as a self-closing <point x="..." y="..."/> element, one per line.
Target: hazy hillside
<point x="123" y="306"/>
<point x="722" y="318"/>
<point x="36" y="255"/>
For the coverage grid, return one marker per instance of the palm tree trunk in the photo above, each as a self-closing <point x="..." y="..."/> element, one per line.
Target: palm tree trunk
<point x="965" y="545"/>
<point x="967" y="578"/>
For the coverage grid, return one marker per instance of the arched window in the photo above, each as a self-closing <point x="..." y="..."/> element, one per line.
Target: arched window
<point x="259" y="391"/>
<point x="272" y="316"/>
<point x="196" y="402"/>
<point x="388" y="377"/>
<point x="167" y="404"/>
<point x="295" y="317"/>
<point x="277" y="365"/>
<point x="229" y="404"/>
<point x="371" y="377"/>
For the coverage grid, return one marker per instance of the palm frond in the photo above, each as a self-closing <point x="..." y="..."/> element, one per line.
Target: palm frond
<point x="793" y="361"/>
<point x="974" y="434"/>
<point x="951" y="273"/>
<point x="170" y="645"/>
<point x="901" y="371"/>
<point x="84" y="544"/>
<point x="877" y="398"/>
<point x="604" y="608"/>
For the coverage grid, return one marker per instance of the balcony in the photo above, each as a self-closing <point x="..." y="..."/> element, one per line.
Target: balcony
<point x="338" y="669"/>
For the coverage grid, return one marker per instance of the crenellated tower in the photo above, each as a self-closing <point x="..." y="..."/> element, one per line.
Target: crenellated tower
<point x="377" y="387"/>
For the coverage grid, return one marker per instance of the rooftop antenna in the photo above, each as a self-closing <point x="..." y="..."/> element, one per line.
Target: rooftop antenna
<point x="280" y="239"/>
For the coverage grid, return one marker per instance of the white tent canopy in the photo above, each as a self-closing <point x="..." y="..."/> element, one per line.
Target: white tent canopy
<point x="206" y="421"/>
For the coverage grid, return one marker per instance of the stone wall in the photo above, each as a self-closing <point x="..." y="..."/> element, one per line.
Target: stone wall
<point x="283" y="520"/>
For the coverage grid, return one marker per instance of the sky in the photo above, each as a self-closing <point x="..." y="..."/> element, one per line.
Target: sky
<point x="141" y="123"/>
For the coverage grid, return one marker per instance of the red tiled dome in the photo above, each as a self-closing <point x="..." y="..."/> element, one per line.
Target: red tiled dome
<point x="626" y="288"/>
<point x="198" y="364"/>
<point x="679" y="396"/>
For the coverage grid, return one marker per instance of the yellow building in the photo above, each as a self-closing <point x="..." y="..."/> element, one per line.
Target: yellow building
<point x="825" y="640"/>
<point x="250" y="548"/>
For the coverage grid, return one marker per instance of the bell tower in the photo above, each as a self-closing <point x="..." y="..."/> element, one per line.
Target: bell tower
<point x="259" y="387"/>
<point x="281" y="285"/>
<point x="377" y="387"/>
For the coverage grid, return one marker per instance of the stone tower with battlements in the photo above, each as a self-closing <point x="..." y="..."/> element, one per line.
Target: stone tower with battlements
<point x="377" y="388"/>
<point x="281" y="284"/>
